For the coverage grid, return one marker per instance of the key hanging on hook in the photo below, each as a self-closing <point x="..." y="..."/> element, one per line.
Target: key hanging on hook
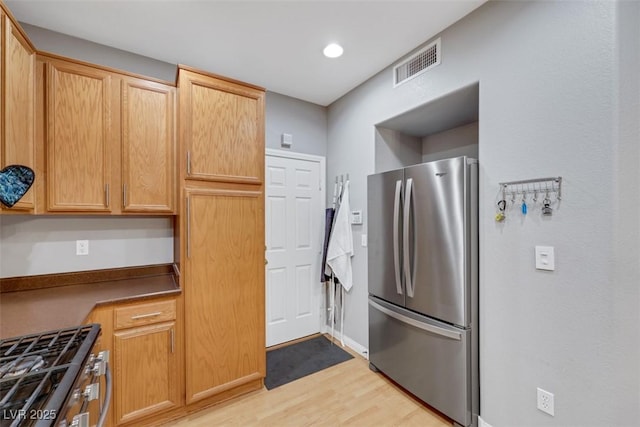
<point x="500" y="216"/>
<point x="546" y="205"/>
<point x="524" y="203"/>
<point x="502" y="205"/>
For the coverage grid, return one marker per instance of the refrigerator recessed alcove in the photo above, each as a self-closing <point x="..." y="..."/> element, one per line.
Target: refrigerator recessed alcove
<point x="443" y="128"/>
<point x="422" y="256"/>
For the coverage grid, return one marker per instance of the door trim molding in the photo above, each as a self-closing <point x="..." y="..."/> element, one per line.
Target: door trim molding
<point x="310" y="158"/>
<point x="323" y="203"/>
<point x="294" y="155"/>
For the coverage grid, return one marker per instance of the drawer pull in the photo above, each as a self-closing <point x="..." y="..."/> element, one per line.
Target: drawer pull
<point x="188" y="227"/>
<point x="144" y="316"/>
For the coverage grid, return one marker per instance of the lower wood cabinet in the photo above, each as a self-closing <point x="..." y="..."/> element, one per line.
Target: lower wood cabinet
<point x="146" y="348"/>
<point x="158" y="374"/>
<point x="146" y="371"/>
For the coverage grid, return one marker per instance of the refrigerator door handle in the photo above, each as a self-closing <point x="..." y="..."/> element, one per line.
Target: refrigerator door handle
<point x="396" y="240"/>
<point x="405" y="238"/>
<point x="416" y="323"/>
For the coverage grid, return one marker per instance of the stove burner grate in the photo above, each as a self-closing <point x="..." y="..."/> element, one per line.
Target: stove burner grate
<point x="38" y="371"/>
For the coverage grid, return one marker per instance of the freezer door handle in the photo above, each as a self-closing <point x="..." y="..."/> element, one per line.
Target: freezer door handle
<point x="416" y="323"/>
<point x="405" y="237"/>
<point x="396" y="237"/>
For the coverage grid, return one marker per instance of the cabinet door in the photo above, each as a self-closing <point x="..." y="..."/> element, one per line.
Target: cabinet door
<point x="79" y="139"/>
<point x="148" y="146"/>
<point x="18" y="142"/>
<point x="224" y="290"/>
<point x="223" y="129"/>
<point x="146" y="371"/>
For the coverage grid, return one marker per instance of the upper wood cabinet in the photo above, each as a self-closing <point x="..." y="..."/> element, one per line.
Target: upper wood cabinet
<point x="80" y="138"/>
<point x="222" y="129"/>
<point x="148" y="147"/>
<point x="110" y="141"/>
<point x="18" y="104"/>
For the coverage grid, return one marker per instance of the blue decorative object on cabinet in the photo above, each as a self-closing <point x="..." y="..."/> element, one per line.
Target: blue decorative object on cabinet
<point x="15" y="181"/>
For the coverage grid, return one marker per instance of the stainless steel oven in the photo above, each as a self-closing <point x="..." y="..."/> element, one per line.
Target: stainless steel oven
<point x="51" y="378"/>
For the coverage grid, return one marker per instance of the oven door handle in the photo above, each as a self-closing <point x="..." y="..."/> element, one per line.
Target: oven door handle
<point x="107" y="396"/>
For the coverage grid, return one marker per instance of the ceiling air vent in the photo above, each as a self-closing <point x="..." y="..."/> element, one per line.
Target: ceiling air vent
<point x="417" y="64"/>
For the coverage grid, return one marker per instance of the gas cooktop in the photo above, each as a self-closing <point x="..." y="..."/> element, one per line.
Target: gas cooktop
<point x="40" y="375"/>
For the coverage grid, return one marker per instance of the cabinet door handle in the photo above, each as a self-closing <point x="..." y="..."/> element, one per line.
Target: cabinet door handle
<point x="106" y="194"/>
<point x="188" y="162"/>
<point x="144" y="316"/>
<point x="188" y="228"/>
<point x="173" y="340"/>
<point x="124" y="195"/>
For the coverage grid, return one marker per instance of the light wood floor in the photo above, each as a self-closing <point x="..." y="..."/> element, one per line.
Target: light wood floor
<point x="345" y="394"/>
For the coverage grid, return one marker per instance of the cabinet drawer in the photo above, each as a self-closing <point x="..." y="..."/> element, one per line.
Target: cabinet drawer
<point x="144" y="314"/>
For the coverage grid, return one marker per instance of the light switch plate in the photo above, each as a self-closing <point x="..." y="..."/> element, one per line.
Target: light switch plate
<point x="545" y="258"/>
<point x="363" y="240"/>
<point x="287" y="140"/>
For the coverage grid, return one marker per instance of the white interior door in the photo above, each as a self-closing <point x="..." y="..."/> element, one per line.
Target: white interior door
<point x="294" y="228"/>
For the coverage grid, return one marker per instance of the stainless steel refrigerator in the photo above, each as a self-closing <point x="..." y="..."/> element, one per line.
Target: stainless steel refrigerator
<point x="423" y="282"/>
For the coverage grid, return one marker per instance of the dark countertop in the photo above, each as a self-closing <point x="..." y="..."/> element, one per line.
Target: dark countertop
<point x="35" y="310"/>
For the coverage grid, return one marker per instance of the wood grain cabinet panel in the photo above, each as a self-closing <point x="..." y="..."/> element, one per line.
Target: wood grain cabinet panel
<point x="223" y="131"/>
<point x="144" y="314"/>
<point x="145" y="360"/>
<point x="148" y="146"/>
<point x="79" y="138"/>
<point x="224" y="290"/>
<point x="146" y="371"/>
<point x="18" y="70"/>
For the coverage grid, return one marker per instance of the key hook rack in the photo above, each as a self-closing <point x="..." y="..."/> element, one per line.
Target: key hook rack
<point x="538" y="186"/>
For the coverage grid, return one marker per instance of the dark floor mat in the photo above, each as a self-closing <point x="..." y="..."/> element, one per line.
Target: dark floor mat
<point x="298" y="360"/>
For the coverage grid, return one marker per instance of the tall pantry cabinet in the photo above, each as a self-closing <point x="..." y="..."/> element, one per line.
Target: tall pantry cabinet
<point x="221" y="231"/>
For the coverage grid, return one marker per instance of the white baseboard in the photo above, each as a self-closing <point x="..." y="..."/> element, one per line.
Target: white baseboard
<point x="353" y="345"/>
<point x="483" y="423"/>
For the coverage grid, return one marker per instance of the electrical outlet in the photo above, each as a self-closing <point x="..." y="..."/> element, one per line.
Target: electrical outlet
<point x="82" y="247"/>
<point x="545" y="401"/>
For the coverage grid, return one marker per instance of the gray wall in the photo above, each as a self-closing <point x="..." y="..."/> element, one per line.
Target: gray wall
<point x="306" y="122"/>
<point x="559" y="95"/>
<point x="84" y="50"/>
<point x="460" y="141"/>
<point x="395" y="149"/>
<point x="41" y="245"/>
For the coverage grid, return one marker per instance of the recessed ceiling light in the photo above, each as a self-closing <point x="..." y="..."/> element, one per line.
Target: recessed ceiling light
<point x="333" y="50"/>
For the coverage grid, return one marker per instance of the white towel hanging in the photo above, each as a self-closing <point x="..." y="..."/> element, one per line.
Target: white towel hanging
<point x="340" y="248"/>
